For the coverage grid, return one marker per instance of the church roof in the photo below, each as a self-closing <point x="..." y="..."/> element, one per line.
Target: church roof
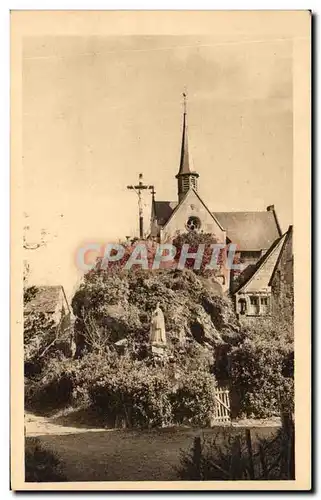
<point x="250" y="231"/>
<point x="163" y="210"/>
<point x="184" y="165"/>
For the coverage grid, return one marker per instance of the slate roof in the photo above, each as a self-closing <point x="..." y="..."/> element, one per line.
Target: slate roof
<point x="184" y="164"/>
<point x="250" y="231"/>
<point x="46" y="299"/>
<point x="260" y="263"/>
<point x="163" y="210"/>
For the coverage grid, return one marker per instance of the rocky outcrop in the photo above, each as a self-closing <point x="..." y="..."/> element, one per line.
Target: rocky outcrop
<point x="192" y="309"/>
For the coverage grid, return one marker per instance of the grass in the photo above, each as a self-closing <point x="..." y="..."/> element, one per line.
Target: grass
<point x="128" y="455"/>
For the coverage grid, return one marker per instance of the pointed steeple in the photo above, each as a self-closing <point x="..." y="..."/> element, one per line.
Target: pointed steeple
<point x="184" y="166"/>
<point x="186" y="177"/>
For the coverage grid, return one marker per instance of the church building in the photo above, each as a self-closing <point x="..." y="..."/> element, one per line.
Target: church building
<point x="257" y="235"/>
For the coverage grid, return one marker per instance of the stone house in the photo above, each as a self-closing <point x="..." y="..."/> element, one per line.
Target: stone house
<point x="52" y="301"/>
<point x="253" y="296"/>
<point x="281" y="281"/>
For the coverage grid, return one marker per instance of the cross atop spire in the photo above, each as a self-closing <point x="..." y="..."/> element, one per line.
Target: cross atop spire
<point x="184" y="166"/>
<point x="185" y="101"/>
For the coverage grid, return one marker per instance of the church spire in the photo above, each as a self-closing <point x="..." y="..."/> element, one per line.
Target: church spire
<point x="186" y="178"/>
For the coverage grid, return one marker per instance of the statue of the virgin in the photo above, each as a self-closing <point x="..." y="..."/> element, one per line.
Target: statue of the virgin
<point x="157" y="327"/>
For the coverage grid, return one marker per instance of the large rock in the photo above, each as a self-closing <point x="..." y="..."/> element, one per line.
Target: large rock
<point x="202" y="327"/>
<point x="192" y="308"/>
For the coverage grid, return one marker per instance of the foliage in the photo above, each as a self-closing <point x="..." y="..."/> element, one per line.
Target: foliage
<point x="66" y="381"/>
<point x="216" y="458"/>
<point x="52" y="387"/>
<point x="193" y="240"/>
<point x="39" y="335"/>
<point x="262" y="371"/>
<point x="193" y="401"/>
<point x="232" y="454"/>
<point x="119" y="303"/>
<point x="133" y="394"/>
<point x="41" y="465"/>
<point x="127" y="391"/>
<point x="43" y="337"/>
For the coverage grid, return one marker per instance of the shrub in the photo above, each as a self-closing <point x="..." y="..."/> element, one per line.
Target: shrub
<point x="53" y="387"/>
<point x="216" y="458"/>
<point x="193" y="401"/>
<point x="66" y="381"/>
<point x="230" y="455"/>
<point x="133" y="394"/>
<point x="193" y="240"/>
<point x="41" y="465"/>
<point x="262" y="372"/>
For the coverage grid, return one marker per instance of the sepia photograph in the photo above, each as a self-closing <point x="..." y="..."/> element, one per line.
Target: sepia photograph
<point x="156" y="246"/>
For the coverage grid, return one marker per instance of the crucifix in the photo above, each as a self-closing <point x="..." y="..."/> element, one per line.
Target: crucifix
<point x="138" y="188"/>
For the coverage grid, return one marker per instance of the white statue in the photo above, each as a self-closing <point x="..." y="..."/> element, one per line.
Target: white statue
<point x="157" y="327"/>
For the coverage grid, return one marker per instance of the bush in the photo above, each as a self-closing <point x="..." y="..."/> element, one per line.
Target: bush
<point x="133" y="394"/>
<point x="66" y="381"/>
<point x="262" y="372"/>
<point x="194" y="399"/>
<point x="230" y="455"/>
<point x="53" y="388"/>
<point x="127" y="391"/>
<point x="216" y="458"/>
<point x="41" y="465"/>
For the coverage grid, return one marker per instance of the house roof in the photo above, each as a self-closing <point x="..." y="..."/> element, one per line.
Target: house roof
<point x="46" y="299"/>
<point x="262" y="261"/>
<point x="251" y="231"/>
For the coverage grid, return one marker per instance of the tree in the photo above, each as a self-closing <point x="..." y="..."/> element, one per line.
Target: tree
<point x="41" y="334"/>
<point x="262" y="370"/>
<point x="193" y="240"/>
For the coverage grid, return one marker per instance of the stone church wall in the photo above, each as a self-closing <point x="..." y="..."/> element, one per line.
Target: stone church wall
<point x="192" y="207"/>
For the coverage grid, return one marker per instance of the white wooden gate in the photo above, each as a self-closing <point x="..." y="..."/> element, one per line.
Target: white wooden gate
<point x="222" y="407"/>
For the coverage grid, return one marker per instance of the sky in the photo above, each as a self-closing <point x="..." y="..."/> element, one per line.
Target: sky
<point x="97" y="111"/>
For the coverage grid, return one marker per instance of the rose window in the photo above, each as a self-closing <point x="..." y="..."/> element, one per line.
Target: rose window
<point x="193" y="223"/>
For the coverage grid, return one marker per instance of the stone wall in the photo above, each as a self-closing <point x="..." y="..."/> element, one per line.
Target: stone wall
<point x="191" y="206"/>
<point x="282" y="284"/>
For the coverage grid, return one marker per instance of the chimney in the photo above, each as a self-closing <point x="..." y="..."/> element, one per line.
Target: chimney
<point x="271" y="208"/>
